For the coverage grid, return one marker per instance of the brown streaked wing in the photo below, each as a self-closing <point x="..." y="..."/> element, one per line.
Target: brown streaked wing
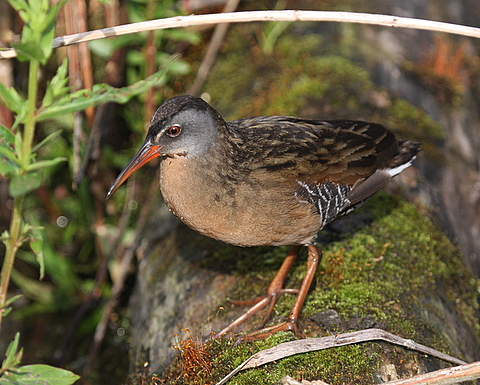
<point x="341" y="151"/>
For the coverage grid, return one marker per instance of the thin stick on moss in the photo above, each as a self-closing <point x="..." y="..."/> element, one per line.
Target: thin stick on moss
<point x="314" y="344"/>
<point x="250" y="16"/>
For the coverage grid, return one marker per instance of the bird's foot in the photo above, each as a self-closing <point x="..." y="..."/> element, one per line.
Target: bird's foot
<point x="274" y="291"/>
<point x="258" y="304"/>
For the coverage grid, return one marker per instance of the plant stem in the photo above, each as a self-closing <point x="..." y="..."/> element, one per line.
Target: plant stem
<point x="29" y="128"/>
<point x="14" y="236"/>
<point x="12" y="245"/>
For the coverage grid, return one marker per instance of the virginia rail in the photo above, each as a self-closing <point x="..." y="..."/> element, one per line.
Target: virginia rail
<point x="268" y="180"/>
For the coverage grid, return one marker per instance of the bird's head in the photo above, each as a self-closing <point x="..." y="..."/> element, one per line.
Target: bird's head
<point x="183" y="126"/>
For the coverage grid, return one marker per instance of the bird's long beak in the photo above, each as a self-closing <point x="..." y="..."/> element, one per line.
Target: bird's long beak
<point x="147" y="152"/>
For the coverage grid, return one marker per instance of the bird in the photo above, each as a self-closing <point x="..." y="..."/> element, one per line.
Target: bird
<point x="266" y="180"/>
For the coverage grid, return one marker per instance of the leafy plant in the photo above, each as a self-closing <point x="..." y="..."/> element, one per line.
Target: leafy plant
<point x="272" y="30"/>
<point x="31" y="374"/>
<point x="22" y="164"/>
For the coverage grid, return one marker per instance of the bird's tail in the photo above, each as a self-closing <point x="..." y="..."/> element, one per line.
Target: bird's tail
<point x="407" y="152"/>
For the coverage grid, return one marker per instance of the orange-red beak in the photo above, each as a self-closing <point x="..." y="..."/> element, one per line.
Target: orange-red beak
<point x="147" y="152"/>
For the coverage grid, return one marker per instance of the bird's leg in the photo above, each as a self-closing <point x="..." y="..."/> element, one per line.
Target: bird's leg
<point x="314" y="258"/>
<point x="273" y="293"/>
<point x="276" y="285"/>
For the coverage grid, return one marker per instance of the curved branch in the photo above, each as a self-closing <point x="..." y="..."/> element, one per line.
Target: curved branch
<point x="249" y="16"/>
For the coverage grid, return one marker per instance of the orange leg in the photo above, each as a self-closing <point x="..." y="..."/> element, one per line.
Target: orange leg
<point x="274" y="291"/>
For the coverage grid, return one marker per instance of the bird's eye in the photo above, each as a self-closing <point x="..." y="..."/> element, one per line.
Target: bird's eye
<point x="173" y="131"/>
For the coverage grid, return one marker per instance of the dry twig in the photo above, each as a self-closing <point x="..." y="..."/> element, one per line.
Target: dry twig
<point x="249" y="16"/>
<point x="314" y="344"/>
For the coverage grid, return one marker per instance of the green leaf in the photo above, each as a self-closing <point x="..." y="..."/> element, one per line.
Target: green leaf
<point x="6" y="136"/>
<point x="19" y="5"/>
<point x="8" y="153"/>
<point x="9" y="164"/>
<point x="34" y="234"/>
<point x="12" y="299"/>
<point x="5" y="308"/>
<point x="181" y="67"/>
<point x="18" y="145"/>
<point x="32" y="288"/>
<point x="41" y="374"/>
<point x="46" y="140"/>
<point x="12" y="99"/>
<point x="58" y="86"/>
<point x="39" y="29"/>
<point x="4" y="237"/>
<point x="60" y="271"/>
<point x="13" y="356"/>
<point x="45" y="163"/>
<point x="183" y="35"/>
<point x="29" y="50"/>
<point x="102" y="93"/>
<point x="46" y="42"/>
<point x="23" y="184"/>
<point x="36" y="244"/>
<point x="103" y="48"/>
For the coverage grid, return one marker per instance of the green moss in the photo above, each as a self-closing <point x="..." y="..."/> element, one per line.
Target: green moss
<point x="386" y="268"/>
<point x="285" y="82"/>
<point x="347" y="364"/>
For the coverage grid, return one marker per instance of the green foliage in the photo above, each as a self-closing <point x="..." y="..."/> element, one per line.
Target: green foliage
<point x="5" y="309"/>
<point x="22" y="184"/>
<point x="15" y="102"/>
<point x="38" y="32"/>
<point x="8" y="161"/>
<point x="64" y="103"/>
<point x="12" y="373"/>
<point x="271" y="31"/>
<point x="39" y="374"/>
<point x="29" y="166"/>
<point x="18" y="163"/>
<point x="137" y="60"/>
<point x="13" y="355"/>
